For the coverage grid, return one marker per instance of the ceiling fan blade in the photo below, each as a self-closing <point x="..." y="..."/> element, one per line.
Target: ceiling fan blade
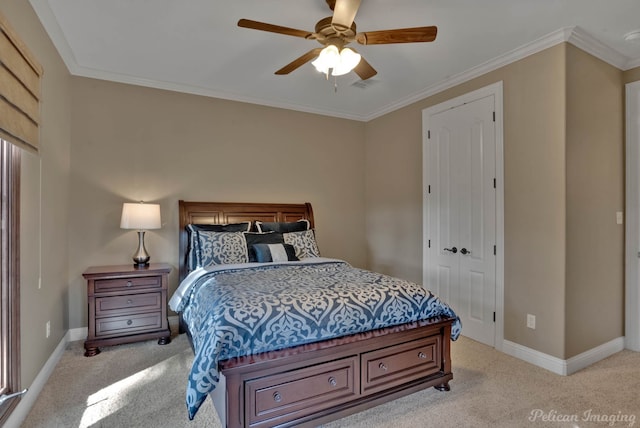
<point x="364" y="70"/>
<point x="401" y="35"/>
<point x="344" y="12"/>
<point x="299" y="61"/>
<point x="263" y="26"/>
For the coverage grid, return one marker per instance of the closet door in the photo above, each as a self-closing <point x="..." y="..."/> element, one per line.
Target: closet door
<point x="461" y="217"/>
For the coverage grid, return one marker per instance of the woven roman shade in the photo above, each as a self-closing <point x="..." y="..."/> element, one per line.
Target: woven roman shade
<point x="20" y="77"/>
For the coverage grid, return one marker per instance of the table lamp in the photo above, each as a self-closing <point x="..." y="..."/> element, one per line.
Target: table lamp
<point x="142" y="217"/>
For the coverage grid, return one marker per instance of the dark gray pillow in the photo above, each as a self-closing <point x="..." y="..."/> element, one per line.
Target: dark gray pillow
<point x="254" y="238"/>
<point x="264" y="253"/>
<point x="283" y="226"/>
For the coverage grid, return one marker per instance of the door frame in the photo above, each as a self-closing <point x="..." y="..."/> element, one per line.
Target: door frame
<point x="495" y="89"/>
<point x="632" y="225"/>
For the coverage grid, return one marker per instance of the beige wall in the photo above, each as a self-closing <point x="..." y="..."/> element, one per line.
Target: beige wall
<point x="595" y="192"/>
<point x="632" y="75"/>
<point x="132" y="143"/>
<point x="44" y="202"/>
<point x="534" y="129"/>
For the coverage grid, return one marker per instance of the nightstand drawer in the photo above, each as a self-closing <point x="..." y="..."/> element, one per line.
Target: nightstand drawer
<point x="120" y="284"/>
<point x="118" y="305"/>
<point x="128" y="324"/>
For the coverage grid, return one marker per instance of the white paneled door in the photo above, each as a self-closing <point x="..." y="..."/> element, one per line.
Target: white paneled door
<point x="460" y="212"/>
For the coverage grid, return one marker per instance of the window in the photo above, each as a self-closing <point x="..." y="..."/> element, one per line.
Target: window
<point x="9" y="276"/>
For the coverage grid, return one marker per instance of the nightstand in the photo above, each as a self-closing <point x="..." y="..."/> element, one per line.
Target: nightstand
<point x="126" y="304"/>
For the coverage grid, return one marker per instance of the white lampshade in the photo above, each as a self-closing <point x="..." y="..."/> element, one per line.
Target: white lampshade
<point x="348" y="61"/>
<point x="140" y="216"/>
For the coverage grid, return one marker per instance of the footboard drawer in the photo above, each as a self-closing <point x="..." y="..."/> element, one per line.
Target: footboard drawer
<point x="275" y="399"/>
<point x="395" y="365"/>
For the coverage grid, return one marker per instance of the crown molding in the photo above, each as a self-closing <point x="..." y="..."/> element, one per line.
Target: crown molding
<point x="545" y="42"/>
<point x="581" y="39"/>
<point x="574" y="35"/>
<point x="633" y="64"/>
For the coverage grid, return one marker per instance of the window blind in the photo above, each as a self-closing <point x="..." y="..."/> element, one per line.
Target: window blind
<point x="20" y="77"/>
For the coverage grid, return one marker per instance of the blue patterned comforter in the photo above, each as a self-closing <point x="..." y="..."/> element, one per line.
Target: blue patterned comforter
<point x="247" y="309"/>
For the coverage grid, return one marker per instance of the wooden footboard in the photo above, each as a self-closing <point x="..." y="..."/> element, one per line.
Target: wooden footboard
<point x="311" y="384"/>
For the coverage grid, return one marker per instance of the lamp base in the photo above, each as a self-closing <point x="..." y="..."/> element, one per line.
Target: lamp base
<point x="141" y="257"/>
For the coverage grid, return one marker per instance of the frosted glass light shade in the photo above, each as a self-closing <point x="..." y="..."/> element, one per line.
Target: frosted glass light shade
<point x="328" y="58"/>
<point x="340" y="62"/>
<point x="348" y="61"/>
<point x="140" y="216"/>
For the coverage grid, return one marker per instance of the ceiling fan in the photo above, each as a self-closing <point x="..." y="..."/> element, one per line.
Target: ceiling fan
<point x="337" y="31"/>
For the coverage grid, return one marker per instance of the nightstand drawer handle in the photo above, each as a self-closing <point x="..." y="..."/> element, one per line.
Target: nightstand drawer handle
<point x="333" y="381"/>
<point x="129" y="283"/>
<point x="422" y="355"/>
<point x="129" y="322"/>
<point x="129" y="301"/>
<point x="382" y="366"/>
<point x="277" y="397"/>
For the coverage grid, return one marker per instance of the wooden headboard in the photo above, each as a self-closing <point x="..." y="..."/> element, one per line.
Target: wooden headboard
<point x="233" y="212"/>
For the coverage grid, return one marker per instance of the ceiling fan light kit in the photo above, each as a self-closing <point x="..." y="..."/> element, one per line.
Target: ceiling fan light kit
<point x="334" y="33"/>
<point x="339" y="63"/>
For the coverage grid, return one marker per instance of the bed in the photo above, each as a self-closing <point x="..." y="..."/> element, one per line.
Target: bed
<point x="300" y="367"/>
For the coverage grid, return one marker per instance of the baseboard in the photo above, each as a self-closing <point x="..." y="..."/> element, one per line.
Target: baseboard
<point x="558" y="365"/>
<point x="27" y="401"/>
<point x="76" y="334"/>
<point x="594" y="355"/>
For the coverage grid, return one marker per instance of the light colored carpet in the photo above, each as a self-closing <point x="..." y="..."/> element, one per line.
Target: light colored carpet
<point x="143" y="385"/>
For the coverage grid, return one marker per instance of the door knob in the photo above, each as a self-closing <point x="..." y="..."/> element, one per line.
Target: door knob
<point x="465" y="251"/>
<point x="453" y="250"/>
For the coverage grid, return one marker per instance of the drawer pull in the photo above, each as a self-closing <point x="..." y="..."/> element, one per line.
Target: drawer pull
<point x="129" y="283"/>
<point x="129" y="301"/>
<point x="129" y="322"/>
<point x="333" y="381"/>
<point x="382" y="366"/>
<point x="422" y="355"/>
<point x="277" y="397"/>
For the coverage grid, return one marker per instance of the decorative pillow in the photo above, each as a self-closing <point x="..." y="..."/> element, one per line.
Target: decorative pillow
<point x="217" y="248"/>
<point x="253" y="238"/>
<point x="273" y="252"/>
<point x="283" y="227"/>
<point x="304" y="242"/>
<point x="192" y="229"/>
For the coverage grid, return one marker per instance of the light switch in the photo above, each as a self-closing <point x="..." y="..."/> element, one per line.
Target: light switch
<point x="619" y="217"/>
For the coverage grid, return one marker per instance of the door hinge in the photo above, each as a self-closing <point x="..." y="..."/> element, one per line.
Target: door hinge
<point x="494" y="250"/>
<point x="429" y="243"/>
<point x="494" y="116"/>
<point x="429" y="188"/>
<point x="494" y="183"/>
<point x="494" y="317"/>
<point x="428" y="134"/>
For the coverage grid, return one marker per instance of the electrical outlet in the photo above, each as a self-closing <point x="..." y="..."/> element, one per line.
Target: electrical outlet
<point x="531" y="321"/>
<point x="48" y="329"/>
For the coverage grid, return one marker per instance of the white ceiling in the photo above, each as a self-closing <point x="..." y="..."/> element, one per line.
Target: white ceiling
<point x="195" y="46"/>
